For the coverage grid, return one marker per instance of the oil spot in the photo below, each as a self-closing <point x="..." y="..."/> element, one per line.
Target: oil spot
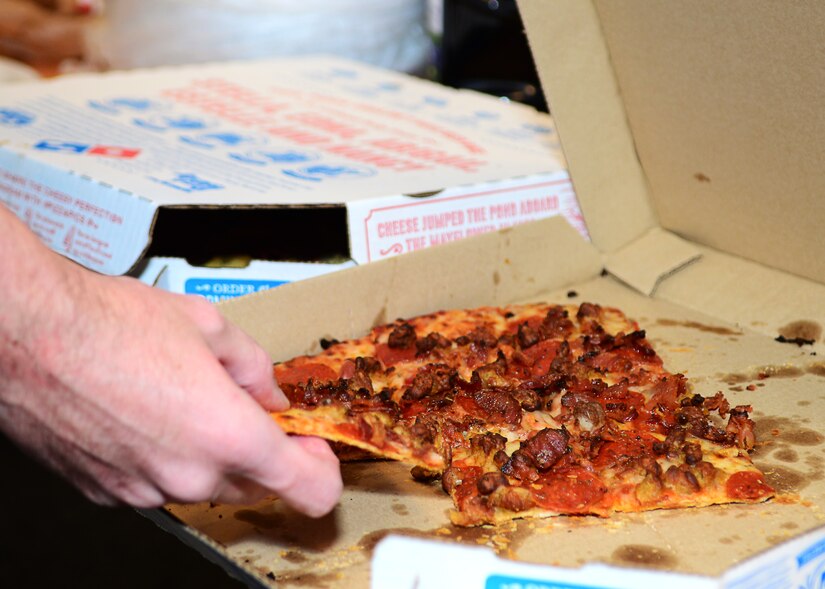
<point x="786" y="455"/>
<point x="737" y="389"/>
<point x="775" y="539"/>
<point x="400" y="509"/>
<point x="814" y="461"/>
<point x="803" y="437"/>
<point x="787" y="430"/>
<point x="644" y="555"/>
<point x="782" y="479"/>
<point x="369" y="541"/>
<point x="801" y="330"/>
<point x="293" y="556"/>
<point x="817" y="369"/>
<point x="779" y="372"/>
<point x="725" y="540"/>
<point x="701" y="177"/>
<point x="267" y="521"/>
<point x="789" y="526"/>
<point x="307" y="579"/>
<point x="763" y="373"/>
<point x="803" y="403"/>
<point x="496" y="278"/>
<point x="717" y="329"/>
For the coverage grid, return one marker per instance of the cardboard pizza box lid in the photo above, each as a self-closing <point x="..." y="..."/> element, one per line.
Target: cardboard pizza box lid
<point x="691" y="133"/>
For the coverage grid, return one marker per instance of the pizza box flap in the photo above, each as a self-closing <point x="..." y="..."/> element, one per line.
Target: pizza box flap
<point x="700" y="117"/>
<point x="494" y="268"/>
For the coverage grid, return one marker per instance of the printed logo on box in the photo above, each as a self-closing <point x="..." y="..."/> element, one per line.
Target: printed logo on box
<point x="15" y="118"/>
<point x="409" y="226"/>
<point x="115" y="106"/>
<point x="321" y="172"/>
<point x="187" y="182"/>
<point x="261" y="157"/>
<point x="172" y="122"/>
<point x="221" y="289"/>
<point x="86" y="149"/>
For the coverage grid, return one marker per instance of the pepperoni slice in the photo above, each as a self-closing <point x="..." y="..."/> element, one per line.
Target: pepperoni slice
<point x="299" y="373"/>
<point x="542" y="354"/>
<point x="571" y="491"/>
<point x="391" y="356"/>
<point x="747" y="485"/>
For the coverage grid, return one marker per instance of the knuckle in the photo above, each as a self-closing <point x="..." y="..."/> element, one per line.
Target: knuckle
<point x="205" y="315"/>
<point x="188" y="484"/>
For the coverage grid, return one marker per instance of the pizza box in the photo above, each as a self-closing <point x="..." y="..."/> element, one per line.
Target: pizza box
<point x="221" y="279"/>
<point x="693" y="140"/>
<point x="307" y="159"/>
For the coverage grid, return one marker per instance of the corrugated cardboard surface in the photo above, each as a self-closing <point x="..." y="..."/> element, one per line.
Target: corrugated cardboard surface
<point x="381" y="498"/>
<point x="785" y="383"/>
<point x="723" y="101"/>
<point x="577" y="77"/>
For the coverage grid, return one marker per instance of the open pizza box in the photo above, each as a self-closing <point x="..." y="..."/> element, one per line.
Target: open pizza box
<point x="694" y="142"/>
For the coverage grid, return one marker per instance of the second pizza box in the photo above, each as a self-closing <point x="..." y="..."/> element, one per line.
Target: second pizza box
<point x="694" y="142"/>
<point x="309" y="160"/>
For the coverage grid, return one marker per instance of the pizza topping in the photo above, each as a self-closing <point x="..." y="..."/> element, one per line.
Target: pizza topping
<point x="747" y="485"/>
<point x="497" y="406"/>
<point x="430" y="342"/>
<point x="515" y="501"/>
<point x="693" y="453"/>
<point x="546" y="447"/>
<point x="521" y="467"/>
<point x="682" y="479"/>
<point x="741" y="427"/>
<point x="490" y="481"/>
<point x="670" y="446"/>
<point x="527" y="336"/>
<point x="717" y="403"/>
<point x="402" y="336"/>
<point x="433" y="379"/>
<point x="489" y="443"/>
<point x="589" y="415"/>
<point x="424" y="475"/>
<point x="481" y="336"/>
<point x="531" y="409"/>
<point x="303" y="372"/>
<point x="527" y="398"/>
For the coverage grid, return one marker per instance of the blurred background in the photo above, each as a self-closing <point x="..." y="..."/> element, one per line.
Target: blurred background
<point x="51" y="534"/>
<point x="475" y="44"/>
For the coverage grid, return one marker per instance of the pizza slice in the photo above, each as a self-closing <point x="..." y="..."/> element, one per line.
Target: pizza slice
<point x="527" y="411"/>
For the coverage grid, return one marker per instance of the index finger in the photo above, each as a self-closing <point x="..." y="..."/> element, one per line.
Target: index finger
<point x="247" y="363"/>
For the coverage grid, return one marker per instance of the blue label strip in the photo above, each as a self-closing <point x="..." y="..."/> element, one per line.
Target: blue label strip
<point x="501" y="582"/>
<point x="220" y="289"/>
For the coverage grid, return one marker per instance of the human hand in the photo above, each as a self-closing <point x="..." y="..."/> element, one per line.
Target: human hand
<point x="143" y="397"/>
<point x="41" y="31"/>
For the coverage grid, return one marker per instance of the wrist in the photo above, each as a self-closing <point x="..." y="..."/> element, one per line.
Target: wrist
<point x="43" y="290"/>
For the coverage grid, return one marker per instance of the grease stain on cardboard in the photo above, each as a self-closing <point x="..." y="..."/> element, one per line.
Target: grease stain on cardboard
<point x="643" y="555"/>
